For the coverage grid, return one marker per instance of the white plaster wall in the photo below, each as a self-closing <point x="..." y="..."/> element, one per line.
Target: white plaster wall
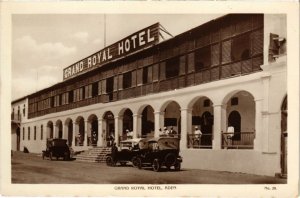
<point x="243" y="161"/>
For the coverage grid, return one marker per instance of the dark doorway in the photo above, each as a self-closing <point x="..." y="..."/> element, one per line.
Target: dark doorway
<point x="110" y="128"/>
<point x="94" y="132"/>
<point x="206" y="128"/>
<point x="234" y="119"/>
<point x="18" y="138"/>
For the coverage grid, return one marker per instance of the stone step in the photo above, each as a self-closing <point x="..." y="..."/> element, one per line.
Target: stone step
<point x="94" y="155"/>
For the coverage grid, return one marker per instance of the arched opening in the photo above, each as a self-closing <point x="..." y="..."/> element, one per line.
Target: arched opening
<point x="108" y="128"/>
<point x="50" y="129"/>
<point x="172" y="117"/>
<point x="80" y="131"/>
<point x="69" y="126"/>
<point x="59" y="128"/>
<point x="240" y="112"/>
<point x="127" y="123"/>
<point x="18" y="138"/>
<point x="202" y="119"/>
<point x="284" y="137"/>
<point x="148" y="122"/>
<point x="93" y="130"/>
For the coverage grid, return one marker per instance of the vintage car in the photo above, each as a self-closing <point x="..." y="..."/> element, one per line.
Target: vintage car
<point x="162" y="151"/>
<point x="127" y="151"/>
<point x="57" y="148"/>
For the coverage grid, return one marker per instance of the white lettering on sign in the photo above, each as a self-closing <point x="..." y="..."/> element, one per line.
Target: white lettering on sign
<point x="128" y="45"/>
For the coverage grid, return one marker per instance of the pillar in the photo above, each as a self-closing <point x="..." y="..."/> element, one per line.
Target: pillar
<point x="158" y="116"/>
<point x="258" y="125"/>
<point x="100" y="132"/>
<point x="265" y="112"/>
<point x="219" y="125"/>
<point x="85" y="133"/>
<point x="186" y="116"/>
<point x="137" y="125"/>
<point x="55" y="131"/>
<point x="117" y="128"/>
<point x="74" y="133"/>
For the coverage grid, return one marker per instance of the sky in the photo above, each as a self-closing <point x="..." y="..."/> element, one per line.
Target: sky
<point x="44" y="44"/>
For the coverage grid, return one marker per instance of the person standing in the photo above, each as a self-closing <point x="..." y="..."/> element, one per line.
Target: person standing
<point x="198" y="135"/>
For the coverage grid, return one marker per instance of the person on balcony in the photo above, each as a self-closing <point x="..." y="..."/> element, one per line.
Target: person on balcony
<point x="161" y="133"/>
<point x="172" y="132"/>
<point x="129" y="134"/>
<point x="230" y="134"/>
<point x="166" y="131"/>
<point x="198" y="135"/>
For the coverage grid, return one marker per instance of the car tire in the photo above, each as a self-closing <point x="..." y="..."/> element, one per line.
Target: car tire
<point x="50" y="156"/>
<point x="109" y="161"/>
<point x="139" y="163"/>
<point x="177" y="166"/>
<point x="170" y="159"/>
<point x="134" y="161"/>
<point x="156" y="165"/>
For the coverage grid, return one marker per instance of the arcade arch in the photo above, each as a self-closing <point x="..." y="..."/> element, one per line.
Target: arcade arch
<point x="50" y="129"/>
<point x="92" y="131"/>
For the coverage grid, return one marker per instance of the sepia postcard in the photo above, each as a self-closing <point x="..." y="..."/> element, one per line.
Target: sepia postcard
<point x="158" y="99"/>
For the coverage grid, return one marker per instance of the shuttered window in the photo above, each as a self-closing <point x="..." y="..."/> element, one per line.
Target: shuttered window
<point x="139" y="77"/>
<point x="115" y="83"/>
<point x="155" y="72"/>
<point x="103" y="84"/>
<point x="191" y="62"/>
<point x="215" y="54"/>
<point x="240" y="49"/>
<point x="182" y="65"/>
<point x="226" y="51"/>
<point x="100" y="87"/>
<point x="120" y="81"/>
<point x="202" y="58"/>
<point x="133" y="78"/>
<point x="149" y="77"/>
<point x="162" y="70"/>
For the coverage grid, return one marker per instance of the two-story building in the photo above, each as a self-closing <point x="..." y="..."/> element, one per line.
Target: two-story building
<point x="228" y="77"/>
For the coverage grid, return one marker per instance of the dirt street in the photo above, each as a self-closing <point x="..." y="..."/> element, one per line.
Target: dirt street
<point x="32" y="169"/>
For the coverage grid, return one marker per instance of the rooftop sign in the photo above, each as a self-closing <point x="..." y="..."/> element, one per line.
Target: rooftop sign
<point x="139" y="40"/>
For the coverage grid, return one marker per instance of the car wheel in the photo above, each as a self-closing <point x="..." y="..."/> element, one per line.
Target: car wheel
<point x="170" y="159"/>
<point x="134" y="161"/>
<point x="139" y="163"/>
<point x="177" y="166"/>
<point x="109" y="161"/>
<point x="50" y="155"/>
<point x="156" y="165"/>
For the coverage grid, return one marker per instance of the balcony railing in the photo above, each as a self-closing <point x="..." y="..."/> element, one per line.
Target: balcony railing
<point x="241" y="140"/>
<point x="200" y="141"/>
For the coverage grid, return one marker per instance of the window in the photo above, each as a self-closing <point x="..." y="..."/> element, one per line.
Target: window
<point x="95" y="89"/>
<point x="28" y="133"/>
<point x="23" y="133"/>
<point x="240" y="48"/>
<point x="88" y="91"/>
<point x="34" y="135"/>
<point x="127" y="80"/>
<point x="172" y="67"/>
<point x="202" y="58"/>
<point x="57" y="100"/>
<point x="42" y="132"/>
<point x="52" y="102"/>
<point x="71" y="96"/>
<point x="24" y="110"/>
<point x="206" y="103"/>
<point x="110" y="85"/>
<point x="145" y="75"/>
<point x="234" y="101"/>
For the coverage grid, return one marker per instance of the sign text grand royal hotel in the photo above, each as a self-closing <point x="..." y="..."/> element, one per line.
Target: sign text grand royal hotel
<point x="143" y="38"/>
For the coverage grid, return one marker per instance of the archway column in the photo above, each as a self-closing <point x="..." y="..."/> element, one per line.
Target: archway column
<point x="74" y="133"/>
<point x="100" y="132"/>
<point x="186" y="118"/>
<point x="219" y="125"/>
<point x="137" y="125"/>
<point x="56" y="131"/>
<point x="118" y="128"/>
<point x="85" y="133"/>
<point x="258" y="125"/>
<point x="158" y="122"/>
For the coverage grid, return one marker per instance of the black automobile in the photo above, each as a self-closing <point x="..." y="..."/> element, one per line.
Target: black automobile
<point x="56" y="148"/>
<point x="163" y="151"/>
<point x="126" y="152"/>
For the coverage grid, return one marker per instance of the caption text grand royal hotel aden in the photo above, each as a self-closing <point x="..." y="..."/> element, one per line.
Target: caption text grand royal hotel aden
<point x="228" y="72"/>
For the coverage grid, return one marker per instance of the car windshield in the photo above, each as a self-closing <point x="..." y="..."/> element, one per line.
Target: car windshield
<point x="167" y="144"/>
